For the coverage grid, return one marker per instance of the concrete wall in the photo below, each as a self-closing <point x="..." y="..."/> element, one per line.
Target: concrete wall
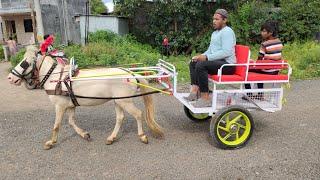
<point x="112" y="23"/>
<point x="75" y="7"/>
<point x="58" y="18"/>
<point x="51" y="18"/>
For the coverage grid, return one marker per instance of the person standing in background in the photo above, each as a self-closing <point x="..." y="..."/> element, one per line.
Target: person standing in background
<point x="11" y="43"/>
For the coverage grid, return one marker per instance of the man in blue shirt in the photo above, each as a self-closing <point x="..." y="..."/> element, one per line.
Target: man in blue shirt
<point x="221" y="51"/>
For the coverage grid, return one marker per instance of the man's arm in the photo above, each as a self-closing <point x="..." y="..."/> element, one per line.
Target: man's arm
<point x="228" y="43"/>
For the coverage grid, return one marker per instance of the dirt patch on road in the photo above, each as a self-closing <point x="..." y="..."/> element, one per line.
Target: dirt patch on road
<point x="20" y="97"/>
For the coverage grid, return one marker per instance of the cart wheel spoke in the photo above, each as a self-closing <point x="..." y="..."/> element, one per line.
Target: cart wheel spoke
<point x="237" y="135"/>
<point x="227" y="136"/>
<point x="228" y="118"/>
<point x="241" y="126"/>
<point x="223" y="128"/>
<point x="234" y="120"/>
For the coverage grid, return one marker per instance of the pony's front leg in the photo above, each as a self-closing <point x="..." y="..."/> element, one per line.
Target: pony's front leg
<point x="84" y="134"/>
<point x="59" y="115"/>
<point x="119" y="119"/>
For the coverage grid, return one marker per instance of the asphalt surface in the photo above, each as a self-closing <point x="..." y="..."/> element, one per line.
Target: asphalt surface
<point x="285" y="144"/>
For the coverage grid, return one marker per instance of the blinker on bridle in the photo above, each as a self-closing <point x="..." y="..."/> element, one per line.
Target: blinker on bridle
<point x="24" y="64"/>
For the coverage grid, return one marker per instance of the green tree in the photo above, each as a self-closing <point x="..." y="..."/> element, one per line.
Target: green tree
<point x="300" y="20"/>
<point x="187" y="23"/>
<point x="247" y="19"/>
<point x="97" y="7"/>
<point x="181" y="21"/>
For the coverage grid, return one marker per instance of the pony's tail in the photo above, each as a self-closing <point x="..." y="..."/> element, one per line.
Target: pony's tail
<point x="148" y="102"/>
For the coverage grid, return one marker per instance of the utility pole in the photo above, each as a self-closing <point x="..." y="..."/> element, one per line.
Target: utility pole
<point x="86" y="27"/>
<point x="33" y="22"/>
<point x="37" y="9"/>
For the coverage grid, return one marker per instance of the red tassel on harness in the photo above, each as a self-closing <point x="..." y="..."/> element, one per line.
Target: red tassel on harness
<point x="44" y="46"/>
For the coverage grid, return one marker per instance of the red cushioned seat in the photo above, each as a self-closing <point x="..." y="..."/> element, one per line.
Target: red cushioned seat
<point x="266" y="77"/>
<point x="242" y="55"/>
<point x="227" y="78"/>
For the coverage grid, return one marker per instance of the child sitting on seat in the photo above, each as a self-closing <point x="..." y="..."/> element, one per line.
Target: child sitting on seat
<point x="270" y="49"/>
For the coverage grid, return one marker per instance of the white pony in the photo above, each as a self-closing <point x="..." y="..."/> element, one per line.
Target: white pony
<point x="39" y="69"/>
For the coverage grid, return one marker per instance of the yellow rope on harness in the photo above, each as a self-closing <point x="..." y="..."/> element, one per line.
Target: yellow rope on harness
<point x="147" y="86"/>
<point x="132" y="65"/>
<point x="116" y="74"/>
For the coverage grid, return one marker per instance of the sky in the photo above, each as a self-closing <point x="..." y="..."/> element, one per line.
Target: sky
<point x="109" y="4"/>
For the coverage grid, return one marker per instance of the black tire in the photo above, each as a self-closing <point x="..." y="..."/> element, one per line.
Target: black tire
<point x="194" y="117"/>
<point x="240" y="130"/>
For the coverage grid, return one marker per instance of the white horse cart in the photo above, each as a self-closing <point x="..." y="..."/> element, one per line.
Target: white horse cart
<point x="231" y="123"/>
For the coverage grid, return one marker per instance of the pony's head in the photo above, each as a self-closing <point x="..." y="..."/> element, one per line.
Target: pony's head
<point x="25" y="68"/>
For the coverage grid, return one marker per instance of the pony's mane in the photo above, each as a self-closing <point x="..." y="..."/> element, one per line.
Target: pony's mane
<point x="30" y="51"/>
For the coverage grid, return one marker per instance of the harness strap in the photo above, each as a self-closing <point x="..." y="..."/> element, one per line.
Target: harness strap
<point x="123" y="97"/>
<point x="70" y="91"/>
<point x="53" y="92"/>
<point x="42" y="60"/>
<point x="58" y="88"/>
<point x="16" y="73"/>
<point x="47" y="75"/>
<point x="33" y="68"/>
<point x="66" y="93"/>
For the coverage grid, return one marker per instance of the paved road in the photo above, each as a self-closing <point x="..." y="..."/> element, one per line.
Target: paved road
<point x="285" y="145"/>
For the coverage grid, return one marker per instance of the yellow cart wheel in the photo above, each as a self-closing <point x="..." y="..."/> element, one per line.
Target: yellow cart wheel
<point x="231" y="127"/>
<point x="196" y="117"/>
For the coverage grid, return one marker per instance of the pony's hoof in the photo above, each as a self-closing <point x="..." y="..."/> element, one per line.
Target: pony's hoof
<point x="144" y="139"/>
<point x="109" y="142"/>
<point x="87" y="137"/>
<point x="48" y="145"/>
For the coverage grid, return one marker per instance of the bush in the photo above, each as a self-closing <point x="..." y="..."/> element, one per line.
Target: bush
<point x="108" y="49"/>
<point x="1" y="53"/>
<point x="300" y="20"/>
<point x="14" y="60"/>
<point x="202" y="43"/>
<point x="102" y="36"/>
<point x="248" y="18"/>
<point x="304" y="59"/>
<point x="181" y="21"/>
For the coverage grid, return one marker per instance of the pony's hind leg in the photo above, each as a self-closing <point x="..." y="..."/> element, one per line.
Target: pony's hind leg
<point x="59" y="115"/>
<point x="129" y="106"/>
<point x="119" y="119"/>
<point x="84" y="134"/>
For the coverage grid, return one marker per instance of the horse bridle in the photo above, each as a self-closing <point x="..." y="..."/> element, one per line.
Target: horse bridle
<point x="34" y="72"/>
<point x="24" y="65"/>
